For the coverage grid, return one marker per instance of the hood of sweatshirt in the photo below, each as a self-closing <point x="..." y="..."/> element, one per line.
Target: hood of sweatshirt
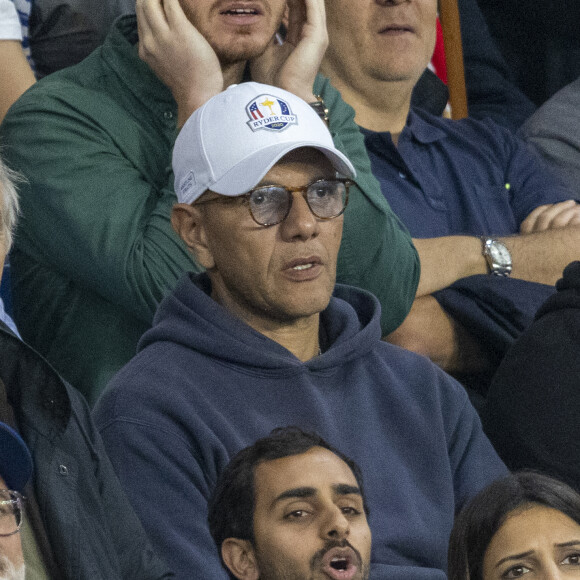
<point x="349" y="328"/>
<point x="568" y="292"/>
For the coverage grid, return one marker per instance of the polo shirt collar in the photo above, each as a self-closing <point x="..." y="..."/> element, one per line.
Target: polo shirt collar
<point x="421" y="130"/>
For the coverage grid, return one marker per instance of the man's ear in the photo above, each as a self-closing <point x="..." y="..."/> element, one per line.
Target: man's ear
<point x="187" y="221"/>
<point x="240" y="558"/>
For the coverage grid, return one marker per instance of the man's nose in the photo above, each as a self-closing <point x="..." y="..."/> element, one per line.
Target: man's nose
<point x="300" y="223"/>
<point x="335" y="525"/>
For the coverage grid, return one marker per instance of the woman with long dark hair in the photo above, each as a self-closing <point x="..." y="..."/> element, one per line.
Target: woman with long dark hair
<point x="525" y="525"/>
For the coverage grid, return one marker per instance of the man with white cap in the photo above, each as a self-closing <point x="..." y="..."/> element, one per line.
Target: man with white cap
<point x="15" y="471"/>
<point x="97" y="252"/>
<point x="261" y="341"/>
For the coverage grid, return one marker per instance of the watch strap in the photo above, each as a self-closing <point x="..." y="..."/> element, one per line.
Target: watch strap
<point x="320" y="108"/>
<point x="495" y="268"/>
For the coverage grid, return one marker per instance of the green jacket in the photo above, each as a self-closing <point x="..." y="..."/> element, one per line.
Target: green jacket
<point x="95" y="251"/>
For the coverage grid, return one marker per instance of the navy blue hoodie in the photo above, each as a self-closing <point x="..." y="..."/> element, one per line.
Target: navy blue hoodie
<point x="204" y="385"/>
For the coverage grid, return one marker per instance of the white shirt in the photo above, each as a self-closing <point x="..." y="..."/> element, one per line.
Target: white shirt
<point x="9" y="22"/>
<point x="14" y="15"/>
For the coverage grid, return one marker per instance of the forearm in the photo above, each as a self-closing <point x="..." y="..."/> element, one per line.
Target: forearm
<point x="430" y="331"/>
<point x="536" y="257"/>
<point x="542" y="256"/>
<point x="447" y="259"/>
<point x="15" y="74"/>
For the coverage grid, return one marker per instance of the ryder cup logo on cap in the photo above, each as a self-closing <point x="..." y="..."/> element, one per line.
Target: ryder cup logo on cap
<point x="231" y="142"/>
<point x="270" y="113"/>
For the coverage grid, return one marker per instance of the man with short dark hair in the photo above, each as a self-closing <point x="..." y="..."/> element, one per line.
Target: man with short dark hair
<point x="262" y="341"/>
<point x="291" y="507"/>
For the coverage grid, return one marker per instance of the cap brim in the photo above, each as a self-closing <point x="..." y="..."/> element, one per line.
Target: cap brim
<point x="249" y="172"/>
<point x="15" y="459"/>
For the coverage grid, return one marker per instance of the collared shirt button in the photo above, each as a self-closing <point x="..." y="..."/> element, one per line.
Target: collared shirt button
<point x="402" y="175"/>
<point x="63" y="469"/>
<point x="168" y="115"/>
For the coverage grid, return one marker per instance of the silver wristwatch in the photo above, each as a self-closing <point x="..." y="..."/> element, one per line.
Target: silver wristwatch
<point x="499" y="259"/>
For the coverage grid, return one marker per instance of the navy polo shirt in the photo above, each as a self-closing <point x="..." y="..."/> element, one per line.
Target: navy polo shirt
<point x="460" y="177"/>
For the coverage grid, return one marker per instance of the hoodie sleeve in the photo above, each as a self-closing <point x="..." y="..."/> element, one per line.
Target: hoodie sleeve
<point x="376" y="253"/>
<point x="168" y="489"/>
<point x="473" y="461"/>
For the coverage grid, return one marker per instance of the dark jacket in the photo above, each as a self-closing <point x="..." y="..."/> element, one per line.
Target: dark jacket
<point x="533" y="404"/>
<point x="93" y="531"/>
<point x="491" y="88"/>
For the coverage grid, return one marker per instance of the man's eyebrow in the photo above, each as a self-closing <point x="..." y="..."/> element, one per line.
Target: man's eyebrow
<point x="346" y="489"/>
<point x="296" y="493"/>
<point x="306" y="492"/>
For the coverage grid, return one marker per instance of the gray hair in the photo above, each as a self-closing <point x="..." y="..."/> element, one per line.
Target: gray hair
<point x="9" y="208"/>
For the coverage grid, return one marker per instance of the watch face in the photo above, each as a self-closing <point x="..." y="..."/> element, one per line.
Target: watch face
<point x="500" y="254"/>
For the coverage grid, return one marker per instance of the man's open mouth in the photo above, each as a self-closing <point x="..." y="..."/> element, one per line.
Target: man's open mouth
<point x="238" y="11"/>
<point x="237" y="8"/>
<point x="341" y="563"/>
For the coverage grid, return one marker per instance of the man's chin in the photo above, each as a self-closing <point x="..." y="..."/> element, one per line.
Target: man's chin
<point x="241" y="49"/>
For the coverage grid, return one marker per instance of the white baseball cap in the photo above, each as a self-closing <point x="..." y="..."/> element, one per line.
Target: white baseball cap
<point x="236" y="137"/>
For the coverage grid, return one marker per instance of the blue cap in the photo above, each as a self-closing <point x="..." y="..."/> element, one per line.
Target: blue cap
<point x="15" y="459"/>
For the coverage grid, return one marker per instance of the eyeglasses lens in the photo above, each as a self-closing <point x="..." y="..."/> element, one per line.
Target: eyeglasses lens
<point x="10" y="512"/>
<point x="270" y="205"/>
<point x="326" y="198"/>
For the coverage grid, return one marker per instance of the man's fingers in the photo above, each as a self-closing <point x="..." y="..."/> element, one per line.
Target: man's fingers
<point x="150" y="15"/>
<point x="296" y="19"/>
<point x="152" y="26"/>
<point x="548" y="218"/>
<point x="316" y="13"/>
<point x="542" y="218"/>
<point x="527" y="226"/>
<point x="565" y="218"/>
<point x="175" y="15"/>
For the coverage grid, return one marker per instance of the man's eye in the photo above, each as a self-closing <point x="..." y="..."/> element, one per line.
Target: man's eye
<point x="297" y="514"/>
<point x="258" y="198"/>
<point x="350" y="511"/>
<point x="322" y="191"/>
<point x="267" y="195"/>
<point x="572" y="559"/>
<point x="516" y="572"/>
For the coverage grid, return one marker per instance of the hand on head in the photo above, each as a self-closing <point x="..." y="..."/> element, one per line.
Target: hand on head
<point x="178" y="54"/>
<point x="293" y="65"/>
<point x="197" y="49"/>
